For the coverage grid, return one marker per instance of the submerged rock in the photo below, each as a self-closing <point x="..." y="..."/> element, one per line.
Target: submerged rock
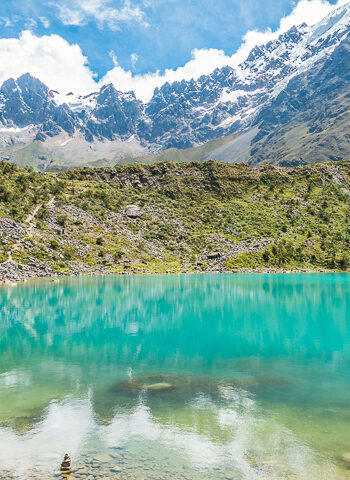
<point x="269" y="381"/>
<point x="116" y="469"/>
<point x="168" y="384"/>
<point x="156" y="387"/>
<point x="346" y="457"/>
<point x="185" y="386"/>
<point x="102" y="458"/>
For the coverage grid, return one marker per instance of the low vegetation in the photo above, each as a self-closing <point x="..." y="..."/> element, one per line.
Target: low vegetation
<point x="184" y="217"/>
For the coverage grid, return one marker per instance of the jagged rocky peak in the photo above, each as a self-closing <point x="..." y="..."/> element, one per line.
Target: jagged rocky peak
<point x="28" y="89"/>
<point x="288" y="41"/>
<point x="111" y="96"/>
<point x="25" y="82"/>
<point x="26" y="101"/>
<point x="30" y="84"/>
<point x="115" y="115"/>
<point x="107" y="93"/>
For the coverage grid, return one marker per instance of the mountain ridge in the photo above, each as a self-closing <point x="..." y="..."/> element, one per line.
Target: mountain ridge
<point x="110" y="124"/>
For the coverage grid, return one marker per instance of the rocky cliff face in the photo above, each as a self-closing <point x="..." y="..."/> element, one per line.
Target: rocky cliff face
<point x="190" y="113"/>
<point x="27" y="101"/>
<point x="309" y="120"/>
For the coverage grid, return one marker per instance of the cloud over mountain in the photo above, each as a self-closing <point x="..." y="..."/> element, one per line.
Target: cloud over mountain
<point x="63" y="66"/>
<point x="51" y="58"/>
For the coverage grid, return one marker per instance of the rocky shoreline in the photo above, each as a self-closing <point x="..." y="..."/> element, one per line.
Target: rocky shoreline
<point x="12" y="273"/>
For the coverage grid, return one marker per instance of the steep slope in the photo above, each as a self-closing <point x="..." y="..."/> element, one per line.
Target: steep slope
<point x="174" y="217"/>
<point x="309" y="120"/>
<point x="187" y="113"/>
<point x="233" y="148"/>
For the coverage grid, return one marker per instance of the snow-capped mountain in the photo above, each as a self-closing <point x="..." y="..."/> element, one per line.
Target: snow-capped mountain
<point x="181" y="115"/>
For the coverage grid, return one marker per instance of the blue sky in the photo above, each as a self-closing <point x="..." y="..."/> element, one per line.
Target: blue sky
<point x="143" y="36"/>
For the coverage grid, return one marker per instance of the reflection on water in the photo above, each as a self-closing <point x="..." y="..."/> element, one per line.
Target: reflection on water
<point x="219" y="376"/>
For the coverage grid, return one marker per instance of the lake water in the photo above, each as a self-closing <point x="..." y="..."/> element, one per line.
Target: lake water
<point x="177" y="377"/>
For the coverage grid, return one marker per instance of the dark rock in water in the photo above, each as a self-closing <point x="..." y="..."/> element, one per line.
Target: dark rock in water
<point x="271" y="381"/>
<point x="255" y="383"/>
<point x="184" y="386"/>
<point x="170" y="388"/>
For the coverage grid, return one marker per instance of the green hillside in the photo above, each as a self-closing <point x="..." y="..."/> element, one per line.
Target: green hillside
<point x="174" y="217"/>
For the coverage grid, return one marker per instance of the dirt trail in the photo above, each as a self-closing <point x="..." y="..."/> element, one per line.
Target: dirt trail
<point x="30" y="225"/>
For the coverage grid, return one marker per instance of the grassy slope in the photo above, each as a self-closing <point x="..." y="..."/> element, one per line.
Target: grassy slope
<point x="247" y="217"/>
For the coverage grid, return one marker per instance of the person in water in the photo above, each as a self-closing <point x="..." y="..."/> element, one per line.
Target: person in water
<point x="67" y="463"/>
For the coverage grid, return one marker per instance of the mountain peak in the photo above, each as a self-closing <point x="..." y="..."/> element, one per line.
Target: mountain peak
<point x="185" y="113"/>
<point x="27" y="77"/>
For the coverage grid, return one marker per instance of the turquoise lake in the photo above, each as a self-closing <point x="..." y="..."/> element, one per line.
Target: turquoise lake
<point x="177" y="377"/>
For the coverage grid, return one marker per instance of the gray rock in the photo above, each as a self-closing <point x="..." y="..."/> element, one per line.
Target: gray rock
<point x="133" y="211"/>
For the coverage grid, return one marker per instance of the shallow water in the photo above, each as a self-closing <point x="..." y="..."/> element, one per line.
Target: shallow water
<point x="177" y="377"/>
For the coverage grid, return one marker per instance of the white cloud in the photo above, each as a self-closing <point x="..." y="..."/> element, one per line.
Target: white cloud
<point x="134" y="58"/>
<point x="50" y="58"/>
<point x="204" y="61"/>
<point x="63" y="67"/>
<point x="31" y="23"/>
<point x="69" y="16"/>
<point x="305" y="11"/>
<point x="6" y="21"/>
<point x="310" y="12"/>
<point x="79" y="12"/>
<point x="45" y="21"/>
